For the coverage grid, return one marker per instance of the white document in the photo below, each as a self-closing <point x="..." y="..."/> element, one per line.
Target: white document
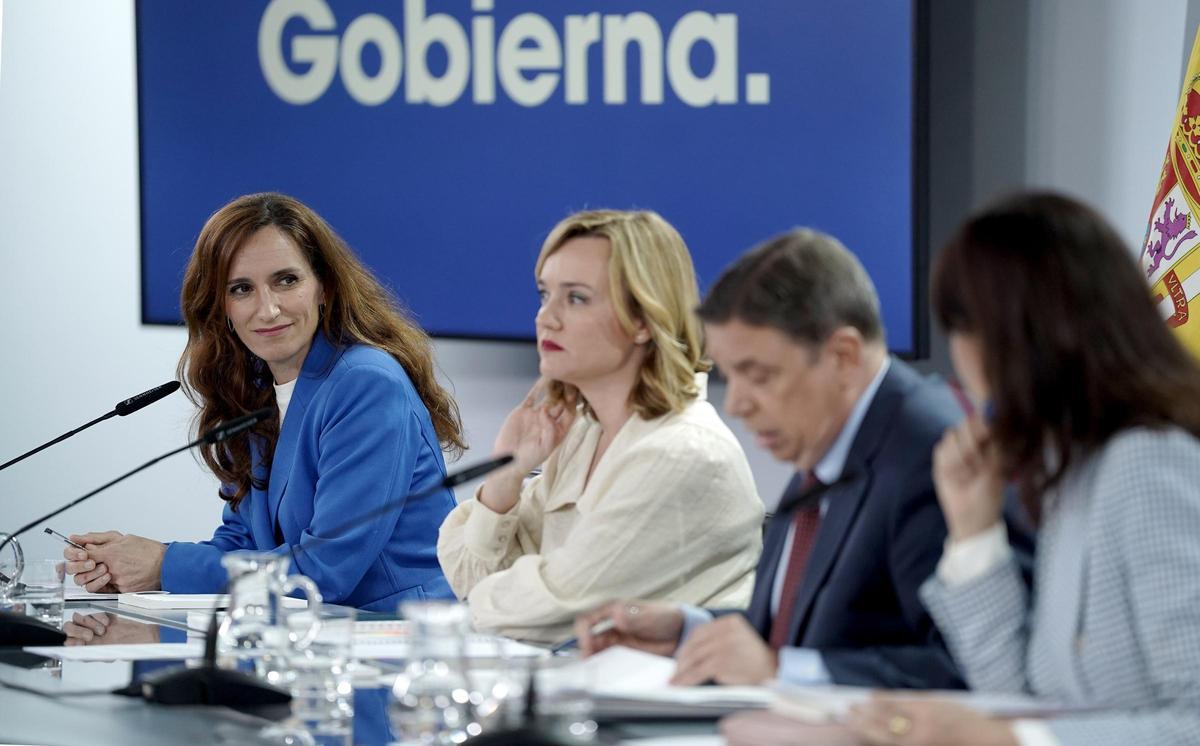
<point x="478" y="647"/>
<point x="176" y="601"/>
<point x="158" y="651"/>
<point x="621" y="673"/>
<point x="78" y="593"/>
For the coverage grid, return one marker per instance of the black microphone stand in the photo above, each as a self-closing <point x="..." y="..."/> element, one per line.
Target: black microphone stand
<point x="210" y="685"/>
<point x="18" y="630"/>
<point x="129" y="406"/>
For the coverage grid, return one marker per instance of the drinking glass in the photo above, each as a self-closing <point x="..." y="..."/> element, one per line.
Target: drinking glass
<point x="40" y="591"/>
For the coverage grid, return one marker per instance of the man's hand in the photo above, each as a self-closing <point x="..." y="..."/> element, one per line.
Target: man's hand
<point x="651" y="626"/>
<point x="727" y="651"/>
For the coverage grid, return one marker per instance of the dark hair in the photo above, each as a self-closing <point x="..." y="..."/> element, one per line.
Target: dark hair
<point x="1074" y="349"/>
<point x="223" y="378"/>
<point x="803" y="283"/>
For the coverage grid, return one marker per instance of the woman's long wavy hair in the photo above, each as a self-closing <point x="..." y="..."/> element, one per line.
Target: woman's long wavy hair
<point x="651" y="279"/>
<point x="224" y="379"/>
<point x="1074" y="349"/>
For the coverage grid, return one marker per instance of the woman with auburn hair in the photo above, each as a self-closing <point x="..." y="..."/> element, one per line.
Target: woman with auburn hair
<point x="280" y="312"/>
<point x="644" y="492"/>
<point x="1088" y="400"/>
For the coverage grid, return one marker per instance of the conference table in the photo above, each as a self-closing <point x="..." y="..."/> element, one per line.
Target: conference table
<point x="45" y="700"/>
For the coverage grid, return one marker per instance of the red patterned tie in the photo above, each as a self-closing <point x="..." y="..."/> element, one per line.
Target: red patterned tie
<point x="806" y="523"/>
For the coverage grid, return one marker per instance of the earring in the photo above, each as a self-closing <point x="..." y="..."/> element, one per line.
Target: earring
<point x="229" y="323"/>
<point x="321" y="311"/>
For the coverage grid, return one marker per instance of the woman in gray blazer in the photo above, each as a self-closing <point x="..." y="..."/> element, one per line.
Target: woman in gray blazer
<point x="1089" y="400"/>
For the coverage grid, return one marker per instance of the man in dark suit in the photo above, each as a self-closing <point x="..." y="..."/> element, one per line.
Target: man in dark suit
<point x="794" y="327"/>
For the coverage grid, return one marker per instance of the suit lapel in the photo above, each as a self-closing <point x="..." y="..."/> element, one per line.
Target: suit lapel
<point x="317" y="365"/>
<point x="759" y="612"/>
<point x="259" y="513"/>
<point x="845" y="498"/>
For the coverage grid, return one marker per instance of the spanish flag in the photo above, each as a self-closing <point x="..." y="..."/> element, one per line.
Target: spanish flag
<point x="1171" y="250"/>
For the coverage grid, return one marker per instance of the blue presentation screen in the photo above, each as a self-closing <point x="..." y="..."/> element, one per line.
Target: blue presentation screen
<point x="444" y="138"/>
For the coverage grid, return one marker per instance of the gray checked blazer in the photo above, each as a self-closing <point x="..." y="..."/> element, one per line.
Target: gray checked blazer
<point x="1114" y="617"/>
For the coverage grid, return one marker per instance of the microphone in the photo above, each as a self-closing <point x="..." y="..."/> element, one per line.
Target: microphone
<point x="18" y="630"/>
<point x="122" y="408"/>
<point x="221" y="432"/>
<point x="209" y="685"/>
<point x="146" y="398"/>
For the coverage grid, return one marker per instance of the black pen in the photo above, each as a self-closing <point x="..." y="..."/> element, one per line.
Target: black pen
<point x="52" y="532"/>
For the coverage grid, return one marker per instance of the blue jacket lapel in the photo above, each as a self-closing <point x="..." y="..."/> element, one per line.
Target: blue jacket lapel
<point x="318" y="363"/>
<point x="257" y="510"/>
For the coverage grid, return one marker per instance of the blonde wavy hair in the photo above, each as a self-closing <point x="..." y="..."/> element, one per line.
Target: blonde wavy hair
<point x="652" y="280"/>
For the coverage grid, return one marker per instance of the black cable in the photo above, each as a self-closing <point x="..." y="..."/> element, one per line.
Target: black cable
<point x="59" y="695"/>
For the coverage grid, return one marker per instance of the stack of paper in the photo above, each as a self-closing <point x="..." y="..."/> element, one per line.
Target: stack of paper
<point x="631" y="683"/>
<point x="78" y="593"/>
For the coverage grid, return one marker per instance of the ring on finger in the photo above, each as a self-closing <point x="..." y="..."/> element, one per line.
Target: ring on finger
<point x="899" y="725"/>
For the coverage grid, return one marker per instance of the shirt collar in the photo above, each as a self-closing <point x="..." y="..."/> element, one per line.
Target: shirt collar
<point x="829" y="468"/>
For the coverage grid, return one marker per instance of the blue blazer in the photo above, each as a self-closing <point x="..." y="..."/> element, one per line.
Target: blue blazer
<point x="880" y="538"/>
<point x="356" y="435"/>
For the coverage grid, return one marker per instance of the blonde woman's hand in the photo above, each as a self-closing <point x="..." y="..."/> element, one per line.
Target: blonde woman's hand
<point x="530" y="433"/>
<point x="534" y="429"/>
<point x="966" y="473"/>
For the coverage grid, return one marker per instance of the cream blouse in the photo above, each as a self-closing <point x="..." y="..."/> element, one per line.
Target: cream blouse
<point x="670" y="512"/>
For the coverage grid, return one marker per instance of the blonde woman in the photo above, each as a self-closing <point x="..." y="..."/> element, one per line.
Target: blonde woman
<point x="644" y="491"/>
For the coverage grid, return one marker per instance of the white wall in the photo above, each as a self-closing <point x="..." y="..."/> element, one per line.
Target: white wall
<point x="1103" y="84"/>
<point x="72" y="340"/>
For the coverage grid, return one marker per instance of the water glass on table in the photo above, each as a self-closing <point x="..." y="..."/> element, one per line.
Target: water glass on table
<point x="563" y="700"/>
<point x="431" y="699"/>
<point x="319" y="674"/>
<point x="41" y="595"/>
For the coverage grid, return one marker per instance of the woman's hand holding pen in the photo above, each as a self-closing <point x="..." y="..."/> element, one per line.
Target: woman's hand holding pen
<point x="967" y="474"/>
<point x="112" y="561"/>
<point x="530" y="433"/>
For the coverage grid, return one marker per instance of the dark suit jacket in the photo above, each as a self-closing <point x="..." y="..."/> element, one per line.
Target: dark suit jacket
<point x="880" y="538"/>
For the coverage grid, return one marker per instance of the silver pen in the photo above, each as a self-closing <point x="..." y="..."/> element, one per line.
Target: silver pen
<point x="52" y="532"/>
